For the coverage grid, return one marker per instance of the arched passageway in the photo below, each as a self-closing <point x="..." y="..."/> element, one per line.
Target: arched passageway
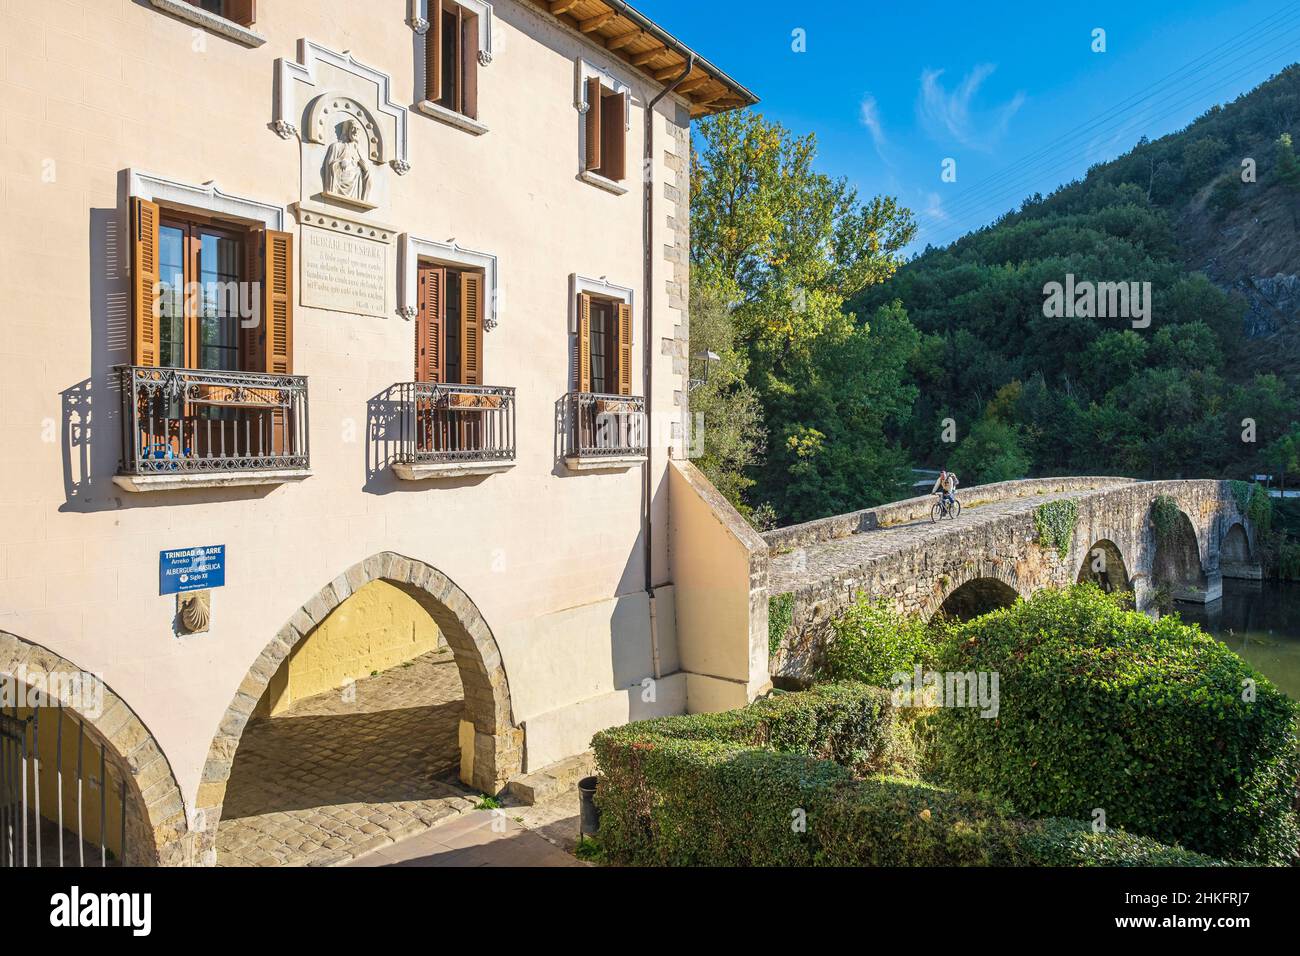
<point x="82" y="781"/>
<point x="1104" y="566"/>
<point x="360" y="721"/>
<point x="1176" y="566"/>
<point x="976" y="597"/>
<point x="1235" y="556"/>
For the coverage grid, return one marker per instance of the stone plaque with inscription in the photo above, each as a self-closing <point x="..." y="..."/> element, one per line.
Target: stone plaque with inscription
<point x="347" y="266"/>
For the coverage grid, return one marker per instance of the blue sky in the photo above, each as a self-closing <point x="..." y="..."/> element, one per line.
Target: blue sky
<point x="1013" y="92"/>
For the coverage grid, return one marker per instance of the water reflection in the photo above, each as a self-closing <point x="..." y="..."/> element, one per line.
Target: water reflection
<point x="1260" y="620"/>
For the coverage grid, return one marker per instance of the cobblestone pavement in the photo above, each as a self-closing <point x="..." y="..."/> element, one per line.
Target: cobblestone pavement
<point x="330" y="779"/>
<point x="823" y="560"/>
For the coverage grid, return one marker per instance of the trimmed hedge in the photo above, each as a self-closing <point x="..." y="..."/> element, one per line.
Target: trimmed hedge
<point x="1105" y="708"/>
<point x="771" y="785"/>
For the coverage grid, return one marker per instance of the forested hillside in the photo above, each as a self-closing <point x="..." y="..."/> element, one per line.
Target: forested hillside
<point x="1032" y="394"/>
<point x="842" y="366"/>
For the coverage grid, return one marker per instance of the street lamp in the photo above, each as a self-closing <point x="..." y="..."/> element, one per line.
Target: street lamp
<point x="709" y="359"/>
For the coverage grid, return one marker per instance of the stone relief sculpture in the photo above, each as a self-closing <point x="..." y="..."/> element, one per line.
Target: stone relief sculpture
<point x="346" y="174"/>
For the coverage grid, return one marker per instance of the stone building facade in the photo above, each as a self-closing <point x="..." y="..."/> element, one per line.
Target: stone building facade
<point x="313" y="295"/>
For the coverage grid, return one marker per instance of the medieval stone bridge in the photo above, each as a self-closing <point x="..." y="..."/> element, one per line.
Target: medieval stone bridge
<point x="991" y="555"/>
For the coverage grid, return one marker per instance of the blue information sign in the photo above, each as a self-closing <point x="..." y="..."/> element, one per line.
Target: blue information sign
<point x="191" y="569"/>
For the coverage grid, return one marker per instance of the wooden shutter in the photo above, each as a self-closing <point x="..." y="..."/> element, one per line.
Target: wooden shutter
<point x="433" y="53"/>
<point x="277" y="302"/>
<point x="428" y="324"/>
<point x="252" y="331"/>
<point x="624" y="349"/>
<point x="614" y="137"/>
<point x="243" y="12"/>
<point x="469" y="65"/>
<point x="145" y="326"/>
<point x="584" y="342"/>
<point x="471" y="328"/>
<point x="594" y="112"/>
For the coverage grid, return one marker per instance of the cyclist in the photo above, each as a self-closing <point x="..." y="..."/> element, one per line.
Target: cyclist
<point x="944" y="486"/>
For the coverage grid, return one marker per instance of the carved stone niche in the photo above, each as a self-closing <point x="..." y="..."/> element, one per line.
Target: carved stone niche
<point x="352" y="135"/>
<point x="353" y="141"/>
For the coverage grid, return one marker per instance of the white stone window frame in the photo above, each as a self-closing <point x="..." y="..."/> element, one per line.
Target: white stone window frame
<point x="583" y="71"/>
<point x="288" y="106"/>
<point x="602" y="288"/>
<point x="418" y="20"/>
<point x="206" y="198"/>
<point x="210" y="21"/>
<point x="412" y="249"/>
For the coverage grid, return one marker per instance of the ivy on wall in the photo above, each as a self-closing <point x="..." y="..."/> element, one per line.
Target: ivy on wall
<point x="780" y="615"/>
<point x="1164" y="516"/>
<point x="1055" y="521"/>
<point x="1253" y="502"/>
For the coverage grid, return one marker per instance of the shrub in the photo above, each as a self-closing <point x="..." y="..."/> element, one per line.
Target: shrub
<point x="780" y="614"/>
<point x="1105" y="708"/>
<point x="1055" y="521"/>
<point x="750" y="788"/>
<point x="872" y="641"/>
<point x="1164" y="515"/>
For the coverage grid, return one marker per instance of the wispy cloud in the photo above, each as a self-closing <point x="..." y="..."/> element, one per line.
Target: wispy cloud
<point x="951" y="115"/>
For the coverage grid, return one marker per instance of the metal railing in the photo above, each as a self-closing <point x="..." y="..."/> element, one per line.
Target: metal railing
<point x="443" y="422"/>
<point x="70" y="824"/>
<point x="177" y="420"/>
<point x="603" y="426"/>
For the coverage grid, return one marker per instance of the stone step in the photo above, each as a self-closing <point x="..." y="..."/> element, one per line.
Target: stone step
<point x="553" y="780"/>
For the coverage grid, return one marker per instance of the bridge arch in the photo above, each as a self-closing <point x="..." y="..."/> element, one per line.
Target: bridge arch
<point x="1104" y="565"/>
<point x="1176" y="563"/>
<point x="142" y="799"/>
<point x="982" y="586"/>
<point x="490" y="742"/>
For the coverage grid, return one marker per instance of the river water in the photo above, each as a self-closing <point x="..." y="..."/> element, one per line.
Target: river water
<point x="1260" y="620"/>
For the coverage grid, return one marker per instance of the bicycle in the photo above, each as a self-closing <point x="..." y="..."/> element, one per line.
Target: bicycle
<point x="943" y="509"/>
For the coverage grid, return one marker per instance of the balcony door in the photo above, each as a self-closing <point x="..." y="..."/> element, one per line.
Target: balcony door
<point x="448" y="352"/>
<point x="202" y="291"/>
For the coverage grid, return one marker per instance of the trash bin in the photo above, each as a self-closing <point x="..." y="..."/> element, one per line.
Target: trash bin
<point x="589" y="815"/>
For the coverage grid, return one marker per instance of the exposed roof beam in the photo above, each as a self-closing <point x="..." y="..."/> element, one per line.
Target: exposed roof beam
<point x="624" y="39"/>
<point x="562" y="6"/>
<point x="592" y="24"/>
<point x="670" y="73"/>
<point x="641" y="59"/>
<point x="688" y="85"/>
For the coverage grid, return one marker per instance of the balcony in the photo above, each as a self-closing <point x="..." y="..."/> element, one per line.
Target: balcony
<point x="603" y="432"/>
<point x="450" y="431"/>
<point x="192" y="428"/>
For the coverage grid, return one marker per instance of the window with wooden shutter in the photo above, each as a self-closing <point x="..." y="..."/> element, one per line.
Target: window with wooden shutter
<point x="613" y="136"/>
<point x="451" y="48"/>
<point x="146" y="339"/>
<point x="277" y="302"/>
<point x="471" y="330"/>
<point x="624" y="349"/>
<point x="252" y="332"/>
<point x="584" y="342"/>
<point x="594" y="120"/>
<point x="243" y="12"/>
<point x="429" y="323"/>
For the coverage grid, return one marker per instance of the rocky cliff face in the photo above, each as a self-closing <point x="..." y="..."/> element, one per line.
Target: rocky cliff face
<point x="1254" y="252"/>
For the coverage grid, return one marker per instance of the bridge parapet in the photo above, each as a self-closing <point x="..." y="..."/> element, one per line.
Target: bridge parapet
<point x="915" y="509"/>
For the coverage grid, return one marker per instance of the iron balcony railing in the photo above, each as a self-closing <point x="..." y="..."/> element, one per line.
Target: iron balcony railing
<point x="444" y="422"/>
<point x="177" y="420"/>
<point x="604" y="426"/>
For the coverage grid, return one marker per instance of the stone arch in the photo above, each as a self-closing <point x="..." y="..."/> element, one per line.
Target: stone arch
<point x="988" y="585"/>
<point x="488" y="760"/>
<point x="1176" y="562"/>
<point x="1104" y="565"/>
<point x="1237" y="555"/>
<point x="155" y="811"/>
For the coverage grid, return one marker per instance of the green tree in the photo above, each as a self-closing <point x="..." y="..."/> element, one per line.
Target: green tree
<point x="1287" y="170"/>
<point x="788" y="245"/>
<point x="727" y="420"/>
<point x="991" y="451"/>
